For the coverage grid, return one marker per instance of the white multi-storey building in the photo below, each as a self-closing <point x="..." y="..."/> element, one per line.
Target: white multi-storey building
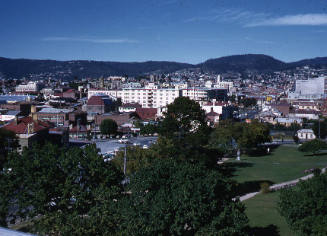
<point x="30" y="87"/>
<point x="153" y="96"/>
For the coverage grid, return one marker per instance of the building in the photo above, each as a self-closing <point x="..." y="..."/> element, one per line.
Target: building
<point x="151" y="96"/>
<point x="314" y="88"/>
<point x="70" y="93"/>
<point x="100" y="104"/>
<point x="30" y="87"/>
<point x="305" y="134"/>
<point x="29" y="130"/>
<point x="59" y="117"/>
<point x="129" y="107"/>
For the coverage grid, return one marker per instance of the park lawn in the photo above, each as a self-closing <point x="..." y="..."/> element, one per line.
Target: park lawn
<point x="262" y="212"/>
<point x="283" y="164"/>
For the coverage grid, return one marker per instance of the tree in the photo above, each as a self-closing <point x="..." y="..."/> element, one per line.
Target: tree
<point x="313" y="146"/>
<point x="59" y="189"/>
<point x="136" y="159"/>
<point x="108" y="126"/>
<point x="8" y="143"/>
<point x="305" y="207"/>
<point x="173" y="197"/>
<point x="228" y="136"/>
<point x="320" y="125"/>
<point x="185" y="127"/>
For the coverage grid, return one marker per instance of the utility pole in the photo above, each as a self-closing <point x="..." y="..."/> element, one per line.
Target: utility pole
<point x="125" y="160"/>
<point x="319" y="128"/>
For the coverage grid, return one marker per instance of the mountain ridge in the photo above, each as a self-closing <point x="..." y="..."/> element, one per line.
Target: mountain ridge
<point x="18" y="68"/>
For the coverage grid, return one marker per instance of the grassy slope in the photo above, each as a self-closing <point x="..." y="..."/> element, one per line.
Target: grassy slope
<point x="262" y="211"/>
<point x="283" y="164"/>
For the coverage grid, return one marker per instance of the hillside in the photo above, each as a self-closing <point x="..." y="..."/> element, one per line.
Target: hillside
<point x="19" y="68"/>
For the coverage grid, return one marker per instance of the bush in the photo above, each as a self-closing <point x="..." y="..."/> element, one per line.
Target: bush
<point x="265" y="187"/>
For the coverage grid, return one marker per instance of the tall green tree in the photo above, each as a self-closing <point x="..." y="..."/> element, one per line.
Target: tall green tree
<point x="59" y="188"/>
<point x="305" y="206"/>
<point x="108" y="126"/>
<point x="228" y="136"/>
<point x="184" y="126"/>
<point x="173" y="197"/>
<point x="320" y="127"/>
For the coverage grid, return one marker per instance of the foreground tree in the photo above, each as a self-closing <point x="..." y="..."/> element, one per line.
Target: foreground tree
<point x="108" y="127"/>
<point x="59" y="189"/>
<point x="173" y="197"/>
<point x="313" y="146"/>
<point x="8" y="143"/>
<point x="305" y="207"/>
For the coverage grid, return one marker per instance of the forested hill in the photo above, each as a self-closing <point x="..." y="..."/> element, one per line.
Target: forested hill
<point x="18" y="68"/>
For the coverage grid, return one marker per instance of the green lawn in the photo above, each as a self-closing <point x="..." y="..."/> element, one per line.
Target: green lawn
<point x="283" y="164"/>
<point x="262" y="212"/>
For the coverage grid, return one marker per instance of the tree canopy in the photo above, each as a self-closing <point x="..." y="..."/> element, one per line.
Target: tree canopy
<point x="172" y="197"/>
<point x="108" y="126"/>
<point x="313" y="146"/>
<point x="185" y="129"/>
<point x="59" y="189"/>
<point x="228" y="136"/>
<point x="8" y="143"/>
<point x="305" y="207"/>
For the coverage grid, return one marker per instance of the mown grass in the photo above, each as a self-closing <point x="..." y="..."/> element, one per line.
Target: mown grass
<point x="262" y="212"/>
<point x="282" y="164"/>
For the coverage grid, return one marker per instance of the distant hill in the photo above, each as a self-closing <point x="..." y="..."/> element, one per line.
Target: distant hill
<point x="315" y="62"/>
<point x="18" y="68"/>
<point x="240" y="63"/>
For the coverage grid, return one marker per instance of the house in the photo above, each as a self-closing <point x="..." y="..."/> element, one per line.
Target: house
<point x="305" y="134"/>
<point x="78" y="131"/>
<point x="59" y="117"/>
<point x="146" y="113"/>
<point x="100" y="104"/>
<point x="212" y="118"/>
<point x="70" y="93"/>
<point x="129" y="107"/>
<point x="29" y="130"/>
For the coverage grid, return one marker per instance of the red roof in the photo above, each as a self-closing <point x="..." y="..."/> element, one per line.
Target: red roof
<point x="146" y="113"/>
<point x="95" y="101"/>
<point x="75" y="129"/>
<point x="21" y="127"/>
<point x="70" y="91"/>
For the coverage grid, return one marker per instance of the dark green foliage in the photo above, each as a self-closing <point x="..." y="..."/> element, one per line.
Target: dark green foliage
<point x="248" y="102"/>
<point x="172" y="197"/>
<point x="323" y="128"/>
<point x="313" y="146"/>
<point x="61" y="188"/>
<point x="108" y="126"/>
<point x="8" y="143"/>
<point x="149" y="129"/>
<point x="185" y="129"/>
<point x="305" y="206"/>
<point x="228" y="136"/>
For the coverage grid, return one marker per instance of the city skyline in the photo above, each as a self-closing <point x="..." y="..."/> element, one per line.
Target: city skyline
<point x="175" y="30"/>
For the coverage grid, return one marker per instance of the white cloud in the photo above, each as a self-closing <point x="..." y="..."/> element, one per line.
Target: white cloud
<point x="90" y="40"/>
<point x="300" y="19"/>
<point x="254" y="19"/>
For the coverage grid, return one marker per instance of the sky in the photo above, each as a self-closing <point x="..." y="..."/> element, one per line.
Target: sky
<point x="189" y="31"/>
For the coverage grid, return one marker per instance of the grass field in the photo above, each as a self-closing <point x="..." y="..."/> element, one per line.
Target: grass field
<point x="284" y="163"/>
<point x="262" y="212"/>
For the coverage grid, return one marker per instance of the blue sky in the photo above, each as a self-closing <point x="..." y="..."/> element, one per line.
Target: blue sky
<point x="173" y="30"/>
